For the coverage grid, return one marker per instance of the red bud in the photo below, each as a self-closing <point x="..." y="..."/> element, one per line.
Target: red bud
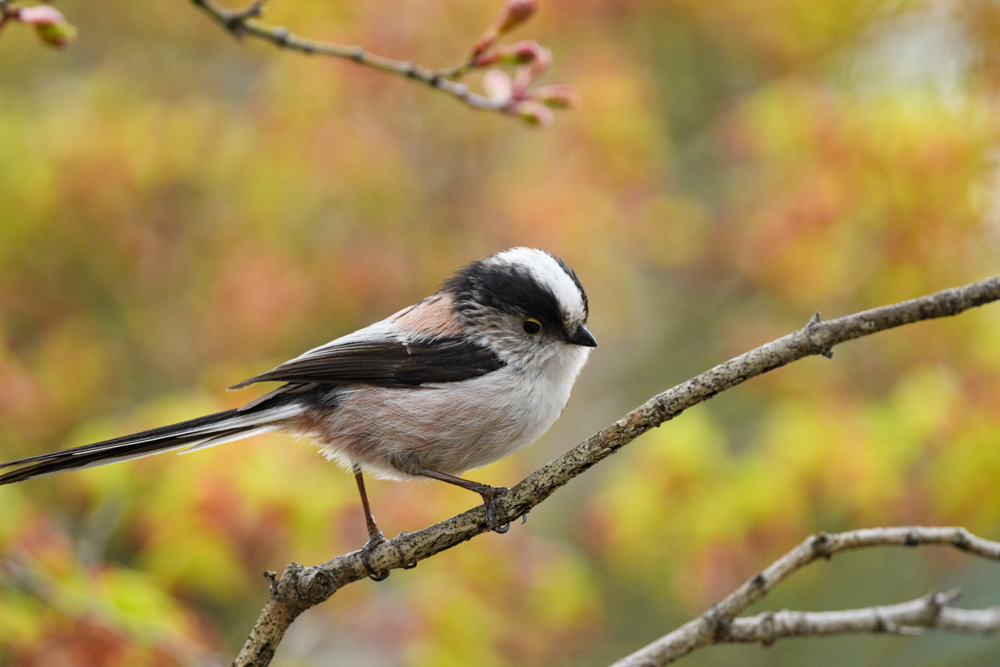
<point x="521" y="53"/>
<point x="514" y="13"/>
<point x="487" y="40"/>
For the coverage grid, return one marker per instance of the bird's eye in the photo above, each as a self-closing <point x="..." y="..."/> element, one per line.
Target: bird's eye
<point x="531" y="326"/>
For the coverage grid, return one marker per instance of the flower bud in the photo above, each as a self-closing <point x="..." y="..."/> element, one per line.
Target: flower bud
<point x="521" y="53"/>
<point x="557" y="96"/>
<point x="58" y="35"/>
<point x="51" y="26"/>
<point x="527" y="73"/>
<point x="514" y="13"/>
<point x="484" y="43"/>
<point x="41" y="15"/>
<point x="497" y="85"/>
<point x="534" y="113"/>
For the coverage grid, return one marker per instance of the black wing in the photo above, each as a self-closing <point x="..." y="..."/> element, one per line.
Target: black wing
<point x="387" y="363"/>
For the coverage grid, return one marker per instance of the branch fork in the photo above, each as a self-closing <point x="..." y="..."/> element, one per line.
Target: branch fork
<point x="237" y="18"/>
<point x="722" y="623"/>
<point x="307" y="586"/>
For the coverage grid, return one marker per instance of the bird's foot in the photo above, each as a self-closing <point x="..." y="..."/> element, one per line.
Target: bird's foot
<point x="366" y="552"/>
<point x="490" y="501"/>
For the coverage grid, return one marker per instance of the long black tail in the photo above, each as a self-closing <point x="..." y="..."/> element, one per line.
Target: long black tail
<point x="197" y="433"/>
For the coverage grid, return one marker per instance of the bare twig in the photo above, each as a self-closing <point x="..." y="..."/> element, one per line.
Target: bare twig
<point x="244" y="23"/>
<point x="906" y="618"/>
<point x="302" y="587"/>
<point x="720" y="625"/>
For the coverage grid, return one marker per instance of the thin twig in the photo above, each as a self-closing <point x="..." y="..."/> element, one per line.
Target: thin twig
<point x="719" y="624"/>
<point x="243" y="23"/>
<point x="906" y="619"/>
<point x="302" y="587"/>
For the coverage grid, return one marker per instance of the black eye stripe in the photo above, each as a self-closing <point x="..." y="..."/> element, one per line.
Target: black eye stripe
<point x="512" y="288"/>
<point x="507" y="288"/>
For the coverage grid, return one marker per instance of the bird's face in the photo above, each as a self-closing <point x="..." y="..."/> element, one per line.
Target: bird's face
<point x="527" y="306"/>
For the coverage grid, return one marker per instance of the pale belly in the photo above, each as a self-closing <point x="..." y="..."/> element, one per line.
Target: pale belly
<point x="447" y="428"/>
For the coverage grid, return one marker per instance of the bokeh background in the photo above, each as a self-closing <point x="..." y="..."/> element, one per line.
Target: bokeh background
<point x="179" y="211"/>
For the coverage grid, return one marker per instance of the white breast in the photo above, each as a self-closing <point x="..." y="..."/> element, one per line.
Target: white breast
<point x="449" y="427"/>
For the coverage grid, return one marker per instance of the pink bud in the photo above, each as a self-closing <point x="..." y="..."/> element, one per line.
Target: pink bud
<point x="543" y="58"/>
<point x="556" y="96"/>
<point x="514" y="13"/>
<point x="534" y="113"/>
<point x="485" y="59"/>
<point x="485" y="42"/>
<point x="522" y="53"/>
<point x="41" y="15"/>
<point x="497" y="85"/>
<point x="50" y="24"/>
<point x="528" y="73"/>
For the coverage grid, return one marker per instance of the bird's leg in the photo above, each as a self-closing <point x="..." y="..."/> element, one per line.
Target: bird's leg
<point x="375" y="537"/>
<point x="489" y="494"/>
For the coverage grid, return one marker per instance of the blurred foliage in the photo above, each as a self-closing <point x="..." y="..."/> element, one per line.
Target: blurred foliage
<point x="179" y="211"/>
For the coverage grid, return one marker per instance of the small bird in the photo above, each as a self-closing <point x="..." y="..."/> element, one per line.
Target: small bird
<point x="466" y="376"/>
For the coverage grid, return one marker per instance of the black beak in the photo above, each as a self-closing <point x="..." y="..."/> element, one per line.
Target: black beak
<point x="582" y="337"/>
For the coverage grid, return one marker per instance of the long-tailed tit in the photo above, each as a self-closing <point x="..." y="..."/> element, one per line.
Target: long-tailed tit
<point x="462" y="378"/>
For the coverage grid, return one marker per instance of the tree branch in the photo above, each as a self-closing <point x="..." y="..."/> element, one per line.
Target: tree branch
<point x="906" y="618"/>
<point x="302" y="587"/>
<point x="720" y="625"/>
<point x="530" y="105"/>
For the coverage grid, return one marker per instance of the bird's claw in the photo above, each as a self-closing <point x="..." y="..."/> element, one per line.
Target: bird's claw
<point x="366" y="552"/>
<point x="490" y="501"/>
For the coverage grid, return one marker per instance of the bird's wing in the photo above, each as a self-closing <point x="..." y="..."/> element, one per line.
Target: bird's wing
<point x="386" y="362"/>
